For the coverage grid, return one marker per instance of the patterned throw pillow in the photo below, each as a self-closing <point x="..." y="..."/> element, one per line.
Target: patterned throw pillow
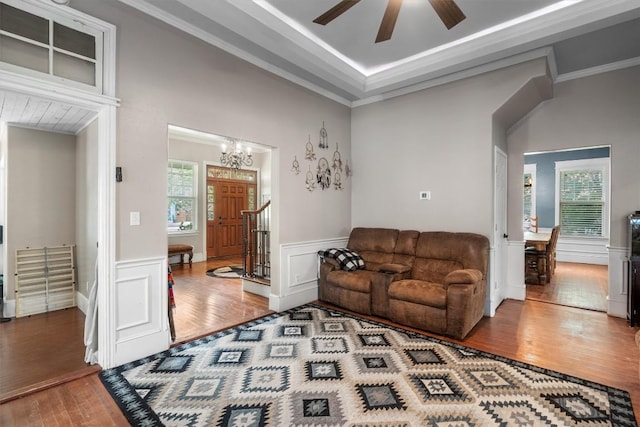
<point x="349" y="260"/>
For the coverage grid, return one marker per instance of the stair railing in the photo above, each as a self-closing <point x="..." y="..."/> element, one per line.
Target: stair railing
<point x="256" y="247"/>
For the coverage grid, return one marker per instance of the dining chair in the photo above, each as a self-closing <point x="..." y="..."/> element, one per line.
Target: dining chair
<point x="551" y="251"/>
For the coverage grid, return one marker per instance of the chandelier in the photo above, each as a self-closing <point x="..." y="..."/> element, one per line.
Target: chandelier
<point x="235" y="158"/>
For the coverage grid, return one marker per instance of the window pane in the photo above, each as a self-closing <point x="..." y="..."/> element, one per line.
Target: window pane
<point x="180" y="214"/>
<point x="581" y="219"/>
<point x="24" y="24"/>
<point x="182" y="197"/>
<point x="582" y="202"/>
<point x="74" y="69"/>
<point x="74" y="41"/>
<point x="527" y="195"/>
<point x="23" y="54"/>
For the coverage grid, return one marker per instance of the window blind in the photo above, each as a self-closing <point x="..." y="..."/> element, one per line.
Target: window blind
<point x="582" y="202"/>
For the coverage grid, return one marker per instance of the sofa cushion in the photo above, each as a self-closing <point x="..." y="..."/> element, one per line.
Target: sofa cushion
<point x="419" y="292"/>
<point x="358" y="281"/>
<point x="348" y="260"/>
<point x="394" y="268"/>
<point x="438" y="253"/>
<point x="375" y="245"/>
<point x="405" y="251"/>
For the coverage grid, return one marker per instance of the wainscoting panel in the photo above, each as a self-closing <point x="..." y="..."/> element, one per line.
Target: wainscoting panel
<point x="140" y="297"/>
<point x="299" y="271"/>
<point x="584" y="251"/>
<point x="516" y="288"/>
<point x="618" y="281"/>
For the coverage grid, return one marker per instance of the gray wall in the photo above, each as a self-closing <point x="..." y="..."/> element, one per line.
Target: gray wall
<point x="545" y="186"/>
<point x="587" y="112"/>
<point x="41" y="192"/>
<point x="440" y="140"/>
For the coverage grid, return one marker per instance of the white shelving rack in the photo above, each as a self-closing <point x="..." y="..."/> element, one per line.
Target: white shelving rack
<point x="45" y="279"/>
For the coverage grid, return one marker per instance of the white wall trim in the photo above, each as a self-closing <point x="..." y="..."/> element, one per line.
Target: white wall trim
<point x="613" y="66"/>
<point x="106" y="236"/>
<point x="583" y="251"/>
<point x="141" y="324"/>
<point x="256" y="288"/>
<point x="82" y="302"/>
<point x="299" y="272"/>
<point x="618" y="281"/>
<point x="516" y="289"/>
<point x="9" y="308"/>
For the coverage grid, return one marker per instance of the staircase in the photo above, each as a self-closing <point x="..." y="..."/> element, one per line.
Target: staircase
<point x="256" y="244"/>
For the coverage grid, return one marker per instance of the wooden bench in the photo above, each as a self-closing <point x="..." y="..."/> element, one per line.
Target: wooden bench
<point x="181" y="250"/>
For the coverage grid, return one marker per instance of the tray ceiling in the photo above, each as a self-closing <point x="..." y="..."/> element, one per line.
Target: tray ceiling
<point x="341" y="59"/>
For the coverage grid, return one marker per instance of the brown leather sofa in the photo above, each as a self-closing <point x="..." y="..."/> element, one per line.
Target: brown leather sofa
<point x="435" y="281"/>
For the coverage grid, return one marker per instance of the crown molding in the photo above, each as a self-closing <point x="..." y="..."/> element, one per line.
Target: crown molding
<point x="188" y="28"/>
<point x="614" y="66"/>
<point x="497" y="47"/>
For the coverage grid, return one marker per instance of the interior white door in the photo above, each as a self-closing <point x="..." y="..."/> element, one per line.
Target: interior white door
<point x="499" y="265"/>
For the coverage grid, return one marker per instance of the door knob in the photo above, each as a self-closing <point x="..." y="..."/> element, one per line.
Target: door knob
<point x="506" y="236"/>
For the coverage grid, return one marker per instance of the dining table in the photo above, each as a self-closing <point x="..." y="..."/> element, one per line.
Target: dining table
<point x="539" y="241"/>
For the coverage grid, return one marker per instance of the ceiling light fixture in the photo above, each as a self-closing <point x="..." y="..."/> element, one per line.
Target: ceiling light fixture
<point x="61" y="2"/>
<point x="236" y="158"/>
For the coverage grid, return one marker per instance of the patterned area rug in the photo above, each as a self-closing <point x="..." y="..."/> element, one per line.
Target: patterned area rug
<point x="316" y="367"/>
<point x="228" y="272"/>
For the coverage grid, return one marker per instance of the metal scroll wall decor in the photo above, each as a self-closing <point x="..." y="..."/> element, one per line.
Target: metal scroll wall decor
<point x="323" y="174"/>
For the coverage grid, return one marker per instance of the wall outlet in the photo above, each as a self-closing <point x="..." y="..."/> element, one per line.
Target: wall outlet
<point x="425" y="195"/>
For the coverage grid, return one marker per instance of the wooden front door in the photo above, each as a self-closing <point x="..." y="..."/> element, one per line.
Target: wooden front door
<point x="227" y="196"/>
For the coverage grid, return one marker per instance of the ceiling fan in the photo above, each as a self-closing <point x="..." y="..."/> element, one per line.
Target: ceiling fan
<point x="447" y="10"/>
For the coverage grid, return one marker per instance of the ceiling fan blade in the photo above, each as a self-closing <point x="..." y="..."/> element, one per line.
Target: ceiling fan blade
<point x="335" y="11"/>
<point x="448" y="11"/>
<point x="389" y="20"/>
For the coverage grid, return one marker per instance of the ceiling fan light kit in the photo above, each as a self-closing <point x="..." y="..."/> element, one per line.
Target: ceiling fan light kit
<point x="448" y="11"/>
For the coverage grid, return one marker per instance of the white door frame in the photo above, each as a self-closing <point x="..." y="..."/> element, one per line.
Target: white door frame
<point x="105" y="105"/>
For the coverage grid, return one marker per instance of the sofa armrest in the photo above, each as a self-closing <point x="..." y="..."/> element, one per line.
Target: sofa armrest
<point x="462" y="277"/>
<point x="394" y="268"/>
<point x="330" y="261"/>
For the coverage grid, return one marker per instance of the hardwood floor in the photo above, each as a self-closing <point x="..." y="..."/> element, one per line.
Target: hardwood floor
<point x="583" y="343"/>
<point x="574" y="285"/>
<point x="46" y="349"/>
<point x="205" y="304"/>
<point x="41" y="350"/>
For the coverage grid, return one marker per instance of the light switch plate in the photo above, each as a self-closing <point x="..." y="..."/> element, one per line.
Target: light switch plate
<point x="134" y="218"/>
<point x="425" y="195"/>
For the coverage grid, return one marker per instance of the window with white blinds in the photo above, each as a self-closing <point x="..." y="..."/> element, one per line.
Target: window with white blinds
<point x="182" y="195"/>
<point x="583" y="197"/>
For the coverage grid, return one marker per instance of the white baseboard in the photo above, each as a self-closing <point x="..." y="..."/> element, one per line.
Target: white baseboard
<point x="281" y="303"/>
<point x="9" y="308"/>
<point x="197" y="257"/>
<point x="82" y="302"/>
<point x="256" y="288"/>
